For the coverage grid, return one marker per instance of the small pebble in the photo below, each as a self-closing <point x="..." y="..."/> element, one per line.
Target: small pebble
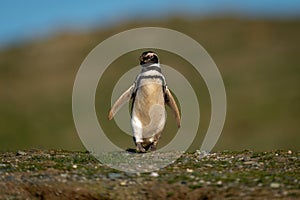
<point x="290" y="152"/>
<point x="114" y="175"/>
<point x="154" y="174"/>
<point x="275" y="185"/>
<point x="183" y="182"/>
<point x="219" y="183"/>
<point x="64" y="175"/>
<point x="189" y="170"/>
<point x="123" y="183"/>
<point x="208" y="165"/>
<point x="21" y="153"/>
<point x="202" y="154"/>
<point x="201" y="181"/>
<point x="249" y="162"/>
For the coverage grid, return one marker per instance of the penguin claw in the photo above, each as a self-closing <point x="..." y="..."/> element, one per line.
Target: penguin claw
<point x="140" y="148"/>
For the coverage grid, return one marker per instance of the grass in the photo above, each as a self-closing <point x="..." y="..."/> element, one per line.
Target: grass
<point x="258" y="175"/>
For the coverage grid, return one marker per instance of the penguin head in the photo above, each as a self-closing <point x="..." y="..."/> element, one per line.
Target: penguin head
<point x="148" y="57"/>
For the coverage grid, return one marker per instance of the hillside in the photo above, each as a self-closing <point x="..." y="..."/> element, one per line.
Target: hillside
<point x="258" y="59"/>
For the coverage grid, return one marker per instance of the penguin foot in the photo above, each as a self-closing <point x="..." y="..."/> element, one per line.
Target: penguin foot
<point x="152" y="147"/>
<point x="140" y="148"/>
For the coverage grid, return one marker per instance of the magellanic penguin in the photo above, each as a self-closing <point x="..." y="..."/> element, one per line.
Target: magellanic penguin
<point x="149" y="94"/>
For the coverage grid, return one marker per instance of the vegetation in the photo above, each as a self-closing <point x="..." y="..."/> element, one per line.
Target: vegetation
<point x="53" y="174"/>
<point x="258" y="60"/>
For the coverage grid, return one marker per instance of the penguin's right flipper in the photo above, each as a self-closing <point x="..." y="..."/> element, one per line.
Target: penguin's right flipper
<point x="125" y="97"/>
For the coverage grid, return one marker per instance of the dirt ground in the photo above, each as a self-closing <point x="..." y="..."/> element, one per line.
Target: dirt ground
<point x="57" y="174"/>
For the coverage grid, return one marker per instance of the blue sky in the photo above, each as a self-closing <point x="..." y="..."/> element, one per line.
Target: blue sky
<point x="21" y="20"/>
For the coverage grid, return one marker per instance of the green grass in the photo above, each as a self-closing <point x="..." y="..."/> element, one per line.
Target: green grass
<point x="228" y="173"/>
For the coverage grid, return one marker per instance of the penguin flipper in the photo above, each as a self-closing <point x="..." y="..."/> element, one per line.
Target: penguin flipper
<point x="125" y="97"/>
<point x="170" y="101"/>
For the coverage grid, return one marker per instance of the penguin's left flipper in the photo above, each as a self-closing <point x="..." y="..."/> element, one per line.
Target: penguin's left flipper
<point x="170" y="101"/>
<point x="125" y="97"/>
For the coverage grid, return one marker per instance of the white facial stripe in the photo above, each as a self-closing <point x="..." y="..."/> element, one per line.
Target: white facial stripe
<point x="150" y="54"/>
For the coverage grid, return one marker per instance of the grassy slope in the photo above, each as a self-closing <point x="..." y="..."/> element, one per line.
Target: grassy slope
<point x="36" y="174"/>
<point x="259" y="62"/>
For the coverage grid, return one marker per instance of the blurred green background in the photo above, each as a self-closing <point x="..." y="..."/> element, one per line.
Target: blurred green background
<point x="258" y="58"/>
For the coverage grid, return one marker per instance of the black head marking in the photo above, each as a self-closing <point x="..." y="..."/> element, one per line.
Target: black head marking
<point x="148" y="57"/>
